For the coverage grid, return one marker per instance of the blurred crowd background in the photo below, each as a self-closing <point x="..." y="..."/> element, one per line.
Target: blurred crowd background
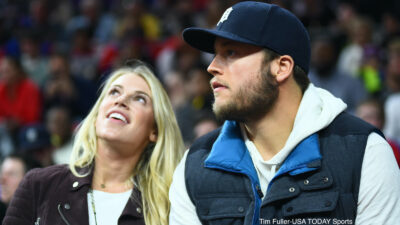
<point x="54" y="55"/>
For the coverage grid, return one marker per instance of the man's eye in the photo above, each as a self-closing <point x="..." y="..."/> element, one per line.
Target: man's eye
<point x="230" y="52"/>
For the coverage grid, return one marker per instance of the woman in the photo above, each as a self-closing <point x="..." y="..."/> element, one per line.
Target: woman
<point x="123" y="158"/>
<point x="20" y="102"/>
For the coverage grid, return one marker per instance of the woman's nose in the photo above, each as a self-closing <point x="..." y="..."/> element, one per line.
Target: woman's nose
<point x="121" y="100"/>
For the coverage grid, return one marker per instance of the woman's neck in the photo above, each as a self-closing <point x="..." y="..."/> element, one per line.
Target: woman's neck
<point x="113" y="172"/>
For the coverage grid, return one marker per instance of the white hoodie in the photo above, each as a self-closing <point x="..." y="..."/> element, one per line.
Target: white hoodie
<point x="379" y="195"/>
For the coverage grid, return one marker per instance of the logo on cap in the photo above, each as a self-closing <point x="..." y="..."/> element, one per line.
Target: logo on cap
<point x="225" y="15"/>
<point x="31" y="135"/>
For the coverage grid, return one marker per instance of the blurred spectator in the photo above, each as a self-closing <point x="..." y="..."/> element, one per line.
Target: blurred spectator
<point x="313" y="12"/>
<point x="62" y="87"/>
<point x="392" y="104"/>
<point x="175" y="86"/>
<point x="199" y="99"/>
<point x="176" y="55"/>
<point x="34" y="63"/>
<point x="180" y="15"/>
<point x="34" y="141"/>
<point x="131" y="49"/>
<point x="199" y="88"/>
<point x="180" y="57"/>
<point x="37" y="19"/>
<point x="393" y="66"/>
<point x="60" y="15"/>
<point x="20" y="101"/>
<point x="98" y="24"/>
<point x="360" y="34"/>
<point x="6" y="142"/>
<point x="13" y="169"/>
<point x="392" y="114"/>
<point x="324" y="74"/>
<point x="214" y="10"/>
<point x="83" y="58"/>
<point x="205" y="123"/>
<point x="60" y="126"/>
<point x="138" y="23"/>
<point x="372" y="111"/>
<point x="371" y="72"/>
<point x="391" y="28"/>
<point x="20" y="98"/>
<point x="340" y="26"/>
<point x="108" y="57"/>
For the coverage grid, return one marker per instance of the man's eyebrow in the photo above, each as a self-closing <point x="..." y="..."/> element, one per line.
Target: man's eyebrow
<point x="227" y="43"/>
<point x="224" y="44"/>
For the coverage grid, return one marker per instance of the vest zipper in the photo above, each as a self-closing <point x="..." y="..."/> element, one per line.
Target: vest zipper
<point x="62" y="215"/>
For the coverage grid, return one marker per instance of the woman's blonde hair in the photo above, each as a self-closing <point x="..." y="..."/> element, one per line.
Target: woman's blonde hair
<point x="154" y="171"/>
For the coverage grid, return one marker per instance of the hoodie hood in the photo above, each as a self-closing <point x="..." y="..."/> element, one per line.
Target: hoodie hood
<point x="318" y="108"/>
<point x="234" y="152"/>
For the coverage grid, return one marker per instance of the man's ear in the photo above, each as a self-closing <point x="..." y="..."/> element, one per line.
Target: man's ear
<point x="283" y="67"/>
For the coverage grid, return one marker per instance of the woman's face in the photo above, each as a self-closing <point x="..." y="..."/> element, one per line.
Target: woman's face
<point x="126" y="113"/>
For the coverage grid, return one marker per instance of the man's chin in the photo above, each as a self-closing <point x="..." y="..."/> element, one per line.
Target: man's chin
<point x="224" y="112"/>
<point x="219" y="111"/>
<point x="219" y="107"/>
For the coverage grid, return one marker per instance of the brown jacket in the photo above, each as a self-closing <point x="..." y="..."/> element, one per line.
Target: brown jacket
<point x="53" y="195"/>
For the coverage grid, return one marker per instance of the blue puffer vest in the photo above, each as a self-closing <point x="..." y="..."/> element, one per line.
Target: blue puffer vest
<point x="318" y="182"/>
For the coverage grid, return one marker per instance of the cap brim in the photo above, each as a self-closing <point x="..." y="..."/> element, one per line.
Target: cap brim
<point x="203" y="39"/>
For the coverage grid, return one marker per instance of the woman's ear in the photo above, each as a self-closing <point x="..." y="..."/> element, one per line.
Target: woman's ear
<point x="284" y="68"/>
<point x="153" y="135"/>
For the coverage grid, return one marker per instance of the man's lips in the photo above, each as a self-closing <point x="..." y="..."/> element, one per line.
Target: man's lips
<point x="216" y="86"/>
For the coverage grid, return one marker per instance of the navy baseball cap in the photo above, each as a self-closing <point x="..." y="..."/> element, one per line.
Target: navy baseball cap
<point x="33" y="137"/>
<point x="261" y="24"/>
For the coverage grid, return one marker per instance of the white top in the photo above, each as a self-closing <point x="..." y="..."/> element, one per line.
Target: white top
<point x="350" y="59"/>
<point x="109" y="206"/>
<point x="392" y="116"/>
<point x="62" y="155"/>
<point x="379" y="194"/>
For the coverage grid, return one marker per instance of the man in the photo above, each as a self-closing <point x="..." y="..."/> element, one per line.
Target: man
<point x="325" y="74"/>
<point x="11" y="174"/>
<point x="287" y="152"/>
<point x="13" y="169"/>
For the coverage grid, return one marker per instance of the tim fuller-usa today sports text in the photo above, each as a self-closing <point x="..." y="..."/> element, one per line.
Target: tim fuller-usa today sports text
<point x="306" y="221"/>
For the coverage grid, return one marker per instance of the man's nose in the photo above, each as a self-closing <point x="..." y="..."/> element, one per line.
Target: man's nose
<point x="215" y="68"/>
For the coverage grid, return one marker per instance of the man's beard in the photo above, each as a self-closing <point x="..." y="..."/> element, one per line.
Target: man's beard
<point x="250" y="102"/>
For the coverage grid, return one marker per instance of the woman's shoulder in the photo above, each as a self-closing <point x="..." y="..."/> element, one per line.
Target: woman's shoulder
<point x="48" y="173"/>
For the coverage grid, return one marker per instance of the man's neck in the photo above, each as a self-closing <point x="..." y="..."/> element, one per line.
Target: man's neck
<point x="270" y="133"/>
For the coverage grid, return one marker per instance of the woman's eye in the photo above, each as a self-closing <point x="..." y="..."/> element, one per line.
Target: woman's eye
<point x="140" y="99"/>
<point x="113" y="92"/>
